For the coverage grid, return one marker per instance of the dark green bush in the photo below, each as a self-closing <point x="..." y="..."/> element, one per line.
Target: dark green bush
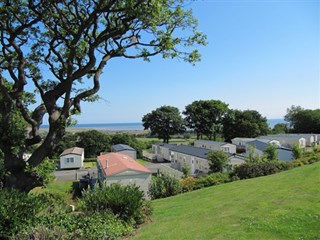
<point x="46" y="216"/>
<point x="19" y="211"/>
<point x="164" y="186"/>
<point x="62" y="225"/>
<point x="252" y="170"/>
<point x="190" y="183"/>
<point x="126" y="202"/>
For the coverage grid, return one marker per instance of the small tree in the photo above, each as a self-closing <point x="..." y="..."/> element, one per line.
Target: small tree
<point x="218" y="161"/>
<point x="296" y="151"/>
<point x="164" y="122"/>
<point x="252" y="157"/>
<point x="186" y="170"/>
<point x="271" y="153"/>
<point x="164" y="186"/>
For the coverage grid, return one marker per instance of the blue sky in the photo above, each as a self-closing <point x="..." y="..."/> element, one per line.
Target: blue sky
<point x="261" y="55"/>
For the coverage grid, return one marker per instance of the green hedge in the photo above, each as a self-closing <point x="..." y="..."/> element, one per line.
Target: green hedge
<point x="252" y="170"/>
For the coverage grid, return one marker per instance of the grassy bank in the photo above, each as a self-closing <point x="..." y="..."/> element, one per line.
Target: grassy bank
<point x="280" y="206"/>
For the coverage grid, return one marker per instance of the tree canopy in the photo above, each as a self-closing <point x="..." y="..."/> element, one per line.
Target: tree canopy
<point x="248" y="123"/>
<point x="218" y="161"/>
<point x="60" y="48"/>
<point x="303" y="120"/>
<point x="164" y="122"/>
<point x="205" y="117"/>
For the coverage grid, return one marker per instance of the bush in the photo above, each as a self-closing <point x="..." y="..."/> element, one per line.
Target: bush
<point x="252" y="170"/>
<point x="126" y="202"/>
<point x="62" y="225"/>
<point x="19" y="211"/>
<point x="164" y="186"/>
<point x="190" y="183"/>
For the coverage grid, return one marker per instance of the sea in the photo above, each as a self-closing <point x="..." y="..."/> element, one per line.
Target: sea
<point x="134" y="126"/>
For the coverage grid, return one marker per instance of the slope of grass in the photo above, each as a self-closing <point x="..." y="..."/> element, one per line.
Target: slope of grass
<point x="59" y="187"/>
<point x="280" y="206"/>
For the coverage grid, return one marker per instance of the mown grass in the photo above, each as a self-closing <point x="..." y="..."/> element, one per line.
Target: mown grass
<point x="280" y="206"/>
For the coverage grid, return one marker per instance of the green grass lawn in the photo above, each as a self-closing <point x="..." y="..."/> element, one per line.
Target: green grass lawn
<point x="62" y="188"/>
<point x="89" y="164"/>
<point x="280" y="206"/>
<point x="142" y="161"/>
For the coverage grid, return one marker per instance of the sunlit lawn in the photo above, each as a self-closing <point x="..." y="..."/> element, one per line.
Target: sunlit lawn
<point x="280" y="206"/>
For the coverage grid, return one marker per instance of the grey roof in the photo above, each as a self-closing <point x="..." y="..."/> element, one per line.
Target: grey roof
<point x="190" y="150"/>
<point x="260" y="144"/>
<point x="214" y="142"/>
<point x="121" y="147"/>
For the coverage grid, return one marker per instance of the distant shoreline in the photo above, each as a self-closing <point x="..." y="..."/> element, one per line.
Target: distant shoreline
<point x="129" y="127"/>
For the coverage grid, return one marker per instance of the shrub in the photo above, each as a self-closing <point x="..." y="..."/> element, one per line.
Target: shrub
<point x="62" y="225"/>
<point x="164" y="186"/>
<point x="214" y="179"/>
<point x="126" y="202"/>
<point x="251" y="170"/>
<point x="19" y="211"/>
<point x="190" y="183"/>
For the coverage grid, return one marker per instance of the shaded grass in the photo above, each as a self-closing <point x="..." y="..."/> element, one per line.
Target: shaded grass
<point x="280" y="206"/>
<point x="62" y="188"/>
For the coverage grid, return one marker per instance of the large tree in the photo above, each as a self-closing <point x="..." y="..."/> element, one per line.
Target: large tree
<point x="164" y="122"/>
<point x="303" y="120"/>
<point x="60" y="48"/>
<point x="248" y="123"/>
<point x="205" y="117"/>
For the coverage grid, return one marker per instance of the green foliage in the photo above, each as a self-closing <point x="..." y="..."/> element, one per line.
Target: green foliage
<point x="303" y="120"/>
<point x="19" y="211"/>
<point x="218" y="161"/>
<point x="280" y="128"/>
<point x="252" y="170"/>
<point x="94" y="142"/>
<point x="163" y="186"/>
<point x="248" y="123"/>
<point x="252" y="157"/>
<point x="68" y="141"/>
<point x="60" y="48"/>
<point x="127" y="202"/>
<point x="191" y="183"/>
<point x="186" y="170"/>
<point x="3" y="171"/>
<point x="43" y="172"/>
<point x="296" y="151"/>
<point x="164" y="122"/>
<point x="205" y="117"/>
<point x="46" y="216"/>
<point x="271" y="153"/>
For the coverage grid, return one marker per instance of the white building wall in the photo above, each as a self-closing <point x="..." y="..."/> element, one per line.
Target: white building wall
<point x="178" y="160"/>
<point x="71" y="161"/>
<point x="226" y="147"/>
<point x="142" y="180"/>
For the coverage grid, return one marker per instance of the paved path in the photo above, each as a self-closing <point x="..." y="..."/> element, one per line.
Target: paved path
<point x="75" y="174"/>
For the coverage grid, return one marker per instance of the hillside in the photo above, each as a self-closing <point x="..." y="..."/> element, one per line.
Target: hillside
<point x="280" y="206"/>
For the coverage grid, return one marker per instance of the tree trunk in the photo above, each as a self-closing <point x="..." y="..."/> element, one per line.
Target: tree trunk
<point x="21" y="181"/>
